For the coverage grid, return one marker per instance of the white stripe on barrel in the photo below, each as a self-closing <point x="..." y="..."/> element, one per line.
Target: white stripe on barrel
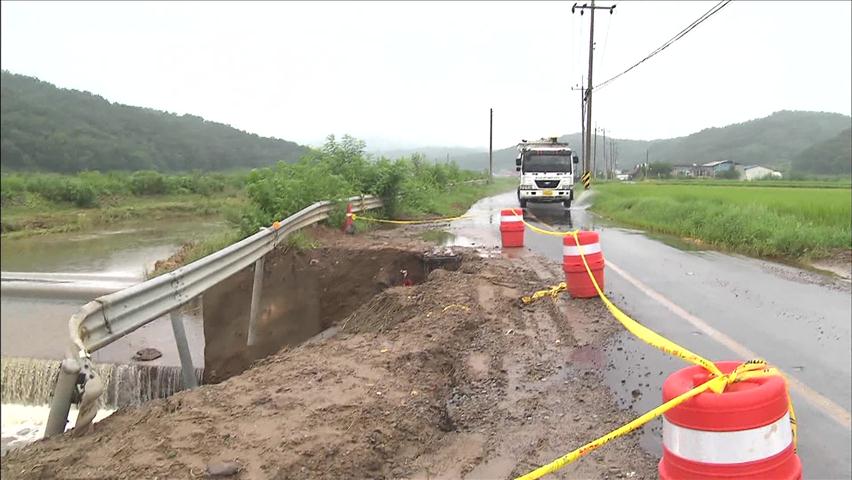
<point x="728" y="447"/>
<point x="511" y="218"/>
<point x="569" y="251"/>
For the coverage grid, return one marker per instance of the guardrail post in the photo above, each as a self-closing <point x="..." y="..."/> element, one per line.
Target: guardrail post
<point x="186" y="368"/>
<point x="256" y="289"/>
<point x="60" y="404"/>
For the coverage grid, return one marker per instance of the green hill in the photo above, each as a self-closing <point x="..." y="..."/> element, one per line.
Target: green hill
<point x="831" y="157"/>
<point x="46" y="128"/>
<point x="772" y="141"/>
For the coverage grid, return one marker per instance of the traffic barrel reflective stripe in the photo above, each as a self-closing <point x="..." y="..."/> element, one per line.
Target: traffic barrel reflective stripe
<point x="574" y="251"/>
<point x="740" y="446"/>
<point x="512" y="227"/>
<point x="743" y="432"/>
<point x="576" y="277"/>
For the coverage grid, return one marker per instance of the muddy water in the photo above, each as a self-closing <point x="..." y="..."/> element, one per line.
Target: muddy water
<point x="118" y="255"/>
<point x="34" y="320"/>
<point x="123" y="249"/>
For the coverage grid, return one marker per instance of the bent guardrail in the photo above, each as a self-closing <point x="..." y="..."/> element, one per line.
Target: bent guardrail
<point x="110" y="317"/>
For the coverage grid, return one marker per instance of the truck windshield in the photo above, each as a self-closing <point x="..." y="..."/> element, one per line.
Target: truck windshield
<point x="547" y="163"/>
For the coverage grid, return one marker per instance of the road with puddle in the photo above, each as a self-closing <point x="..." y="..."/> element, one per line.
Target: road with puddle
<point x="722" y="307"/>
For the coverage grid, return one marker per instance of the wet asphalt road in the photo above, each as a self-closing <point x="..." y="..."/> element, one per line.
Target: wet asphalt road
<point x="724" y="307"/>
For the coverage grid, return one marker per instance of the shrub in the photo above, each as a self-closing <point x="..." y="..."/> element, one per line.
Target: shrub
<point x="13" y="190"/>
<point x="147" y="182"/>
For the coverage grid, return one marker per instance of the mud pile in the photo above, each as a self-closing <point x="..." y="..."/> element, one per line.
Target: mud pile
<point x="446" y="378"/>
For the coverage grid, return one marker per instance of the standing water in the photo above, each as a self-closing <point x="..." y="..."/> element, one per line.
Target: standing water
<point x="48" y="278"/>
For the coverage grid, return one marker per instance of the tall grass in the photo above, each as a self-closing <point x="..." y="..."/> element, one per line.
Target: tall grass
<point x="769" y="222"/>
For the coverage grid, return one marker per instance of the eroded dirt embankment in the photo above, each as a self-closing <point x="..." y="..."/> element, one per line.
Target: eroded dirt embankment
<point x="304" y="293"/>
<point x="447" y="378"/>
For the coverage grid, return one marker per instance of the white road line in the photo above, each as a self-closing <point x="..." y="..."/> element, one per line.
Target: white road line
<point x="821" y="402"/>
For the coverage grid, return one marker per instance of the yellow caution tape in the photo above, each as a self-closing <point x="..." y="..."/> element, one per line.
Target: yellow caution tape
<point x="717" y="383"/>
<point x="553" y="292"/>
<point x="405" y="222"/>
<point x="745" y="371"/>
<point x="541" y="230"/>
<point x="455" y="305"/>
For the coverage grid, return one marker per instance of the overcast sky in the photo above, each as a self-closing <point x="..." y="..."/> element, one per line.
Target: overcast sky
<point x="416" y="74"/>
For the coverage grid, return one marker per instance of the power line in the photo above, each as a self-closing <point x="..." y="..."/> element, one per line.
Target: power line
<point x="606" y="40"/>
<point x="677" y="37"/>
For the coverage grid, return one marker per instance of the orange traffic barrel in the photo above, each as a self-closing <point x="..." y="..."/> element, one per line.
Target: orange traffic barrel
<point x="576" y="277"/>
<point x="743" y="432"/>
<point x="512" y="227"/>
<point x="348" y="227"/>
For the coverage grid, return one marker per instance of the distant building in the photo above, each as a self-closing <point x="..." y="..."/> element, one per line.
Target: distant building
<point x="712" y="169"/>
<point x="684" y="170"/>
<point x="757" y="172"/>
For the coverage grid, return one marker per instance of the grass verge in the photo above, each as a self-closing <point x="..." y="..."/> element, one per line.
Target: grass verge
<point x="780" y="222"/>
<point x="456" y="200"/>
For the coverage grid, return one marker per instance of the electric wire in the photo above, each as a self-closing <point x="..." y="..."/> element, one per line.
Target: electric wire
<point x="665" y="45"/>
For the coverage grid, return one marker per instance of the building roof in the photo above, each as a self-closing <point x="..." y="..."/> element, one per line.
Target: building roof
<point x="713" y="164"/>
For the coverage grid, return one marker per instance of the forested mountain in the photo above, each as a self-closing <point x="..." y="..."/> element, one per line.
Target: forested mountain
<point x="831" y="157"/>
<point x="772" y="141"/>
<point x="51" y="129"/>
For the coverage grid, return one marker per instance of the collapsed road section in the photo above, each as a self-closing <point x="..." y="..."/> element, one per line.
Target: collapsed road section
<point x="421" y="369"/>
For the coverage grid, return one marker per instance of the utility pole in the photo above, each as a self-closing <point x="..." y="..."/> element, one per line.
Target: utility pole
<point x="595" y="152"/>
<point x="490" y="144"/>
<point x="614" y="155"/>
<point x="583" y="8"/>
<point x="606" y="163"/>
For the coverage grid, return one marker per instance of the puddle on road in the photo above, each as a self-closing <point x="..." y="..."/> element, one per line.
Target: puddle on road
<point x="447" y="239"/>
<point x="635" y="374"/>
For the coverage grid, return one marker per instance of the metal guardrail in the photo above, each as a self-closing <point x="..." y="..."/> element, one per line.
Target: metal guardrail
<point x="110" y="317"/>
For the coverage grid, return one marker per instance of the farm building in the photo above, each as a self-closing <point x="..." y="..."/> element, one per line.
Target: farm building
<point x="711" y="169"/>
<point x="684" y="170"/>
<point x="756" y="172"/>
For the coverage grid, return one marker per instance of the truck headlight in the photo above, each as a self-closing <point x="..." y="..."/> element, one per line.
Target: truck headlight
<point x="526" y="187"/>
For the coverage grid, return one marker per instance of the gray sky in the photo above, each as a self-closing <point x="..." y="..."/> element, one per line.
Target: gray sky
<point x="414" y="74"/>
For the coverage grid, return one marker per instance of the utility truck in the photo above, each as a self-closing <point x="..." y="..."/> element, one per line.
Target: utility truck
<point x="547" y="172"/>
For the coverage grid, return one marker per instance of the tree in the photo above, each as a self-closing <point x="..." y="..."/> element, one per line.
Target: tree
<point x="659" y="170"/>
<point x="732" y="174"/>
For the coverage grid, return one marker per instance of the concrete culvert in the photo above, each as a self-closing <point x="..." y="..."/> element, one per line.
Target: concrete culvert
<point x="304" y="293"/>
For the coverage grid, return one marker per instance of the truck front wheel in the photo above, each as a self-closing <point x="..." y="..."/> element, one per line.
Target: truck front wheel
<point x="523" y="202"/>
<point x="567" y="203"/>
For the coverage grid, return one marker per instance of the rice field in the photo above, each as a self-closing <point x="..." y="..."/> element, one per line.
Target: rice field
<point x="785" y="222"/>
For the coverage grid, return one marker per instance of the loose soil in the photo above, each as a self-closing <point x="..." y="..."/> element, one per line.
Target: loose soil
<point x="447" y="378"/>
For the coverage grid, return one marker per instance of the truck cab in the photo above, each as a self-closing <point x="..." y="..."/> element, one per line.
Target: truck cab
<point x="546" y="172"/>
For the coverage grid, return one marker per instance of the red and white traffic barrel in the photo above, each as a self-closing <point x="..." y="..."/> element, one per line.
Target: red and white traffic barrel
<point x="512" y="227"/>
<point x="744" y="432"/>
<point x="576" y="277"/>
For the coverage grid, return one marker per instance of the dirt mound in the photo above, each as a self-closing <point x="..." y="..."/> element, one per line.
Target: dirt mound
<point x="447" y="378"/>
<point x="397" y="305"/>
